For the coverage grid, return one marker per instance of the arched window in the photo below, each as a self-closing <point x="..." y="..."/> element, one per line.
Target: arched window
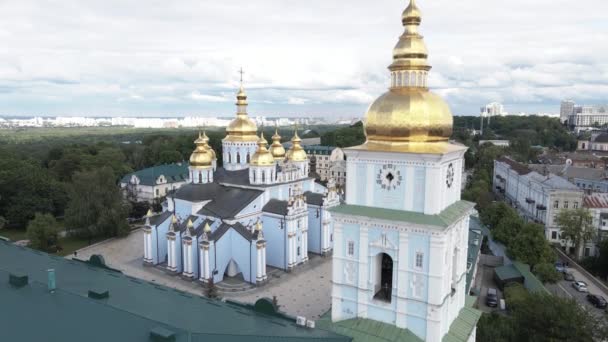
<point x="263" y="177"/>
<point x="253" y="172"/>
<point x="229" y="157"/>
<point x="238" y="158"/>
<point x="200" y="178"/>
<point x="248" y="158"/>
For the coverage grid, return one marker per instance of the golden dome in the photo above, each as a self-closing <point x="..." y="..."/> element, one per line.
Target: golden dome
<point x="296" y="152"/>
<point x="262" y="157"/>
<point x="277" y="149"/>
<point x="200" y="158"/>
<point x="242" y="128"/>
<point x="408" y="113"/>
<point x="207" y="146"/>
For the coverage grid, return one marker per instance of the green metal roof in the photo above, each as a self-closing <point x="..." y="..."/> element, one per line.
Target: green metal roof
<point x="174" y="173"/>
<point x="507" y="272"/>
<point x="367" y="330"/>
<point x="135" y="302"/>
<point x="444" y="219"/>
<point x="475" y="241"/>
<point x="531" y="283"/>
<point x="463" y="325"/>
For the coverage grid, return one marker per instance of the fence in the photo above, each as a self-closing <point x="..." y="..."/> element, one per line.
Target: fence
<point x="580" y="268"/>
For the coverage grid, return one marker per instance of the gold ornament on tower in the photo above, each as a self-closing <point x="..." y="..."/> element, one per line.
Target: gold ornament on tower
<point x="200" y="158"/>
<point x="409" y="117"/>
<point x="277" y="149"/>
<point x="262" y="157"/>
<point x="242" y="128"/>
<point x="296" y="152"/>
<point x="208" y="147"/>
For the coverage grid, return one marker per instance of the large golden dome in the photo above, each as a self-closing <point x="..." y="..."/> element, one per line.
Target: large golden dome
<point x="277" y="149"/>
<point x="200" y="158"/>
<point x="242" y="128"/>
<point x="207" y="146"/>
<point x="296" y="152"/>
<point x="262" y="157"/>
<point x="408" y="113"/>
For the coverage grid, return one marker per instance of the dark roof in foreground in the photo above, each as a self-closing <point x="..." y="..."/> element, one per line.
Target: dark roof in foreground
<point x="132" y="311"/>
<point x="174" y="173"/>
<point x="226" y="201"/>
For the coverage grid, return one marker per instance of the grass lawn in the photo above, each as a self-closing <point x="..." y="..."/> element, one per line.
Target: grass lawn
<point x="13" y="234"/>
<point x="68" y="243"/>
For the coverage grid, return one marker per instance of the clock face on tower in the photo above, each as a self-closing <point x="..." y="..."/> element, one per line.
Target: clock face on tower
<point x="388" y="177"/>
<point x="450" y="176"/>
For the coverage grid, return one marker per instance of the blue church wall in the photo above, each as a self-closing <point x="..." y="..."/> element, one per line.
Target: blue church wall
<point x="183" y="209"/>
<point x="362" y="190"/>
<point x="252" y="208"/>
<point x="275" y="242"/>
<point x="232" y="246"/>
<point x="315" y="216"/>
<point x="178" y="253"/>
<point x="154" y="248"/>
<point x="384" y="313"/>
<point x="419" y="189"/>
<point x="415" y="321"/>
<point x="161" y="247"/>
<point x="299" y="252"/>
<point x="393" y="198"/>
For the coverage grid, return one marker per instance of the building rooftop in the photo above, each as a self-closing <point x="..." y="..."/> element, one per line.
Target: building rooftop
<point x="520" y="168"/>
<point x="133" y="310"/>
<point x="174" y="173"/>
<point x="442" y="220"/>
<point x="596" y="200"/>
<point x="570" y="172"/>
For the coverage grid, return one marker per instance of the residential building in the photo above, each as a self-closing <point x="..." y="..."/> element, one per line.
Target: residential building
<point x="401" y="237"/>
<point x="588" y="117"/>
<point x="597" y="203"/>
<point x="493" y="109"/>
<point x="597" y="142"/>
<point x="330" y="162"/>
<point x="588" y="179"/>
<point x="575" y="159"/>
<point x="75" y="301"/>
<point x="154" y="182"/>
<point x="537" y="197"/>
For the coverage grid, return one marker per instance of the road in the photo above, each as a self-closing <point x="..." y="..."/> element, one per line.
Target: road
<point x="564" y="289"/>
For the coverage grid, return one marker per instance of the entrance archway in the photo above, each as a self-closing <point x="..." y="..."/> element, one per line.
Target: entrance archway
<point x="384" y="277"/>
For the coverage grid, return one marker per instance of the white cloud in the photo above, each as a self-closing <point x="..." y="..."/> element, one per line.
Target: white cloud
<point x="314" y="56"/>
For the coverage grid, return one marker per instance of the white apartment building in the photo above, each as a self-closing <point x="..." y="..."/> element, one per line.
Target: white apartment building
<point x="493" y="109"/>
<point x="565" y="110"/>
<point x="537" y="197"/>
<point x="587" y="116"/>
<point x="597" y="203"/>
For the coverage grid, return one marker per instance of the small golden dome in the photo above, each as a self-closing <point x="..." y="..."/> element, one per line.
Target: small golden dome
<point x="296" y="152"/>
<point x="262" y="157"/>
<point x="242" y="128"/>
<point x="207" y="146"/>
<point x="200" y="158"/>
<point x="408" y="112"/>
<point x="277" y="149"/>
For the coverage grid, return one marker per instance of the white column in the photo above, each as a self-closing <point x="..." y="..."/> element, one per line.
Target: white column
<point x="305" y="246"/>
<point x="207" y="270"/>
<point x="264" y="261"/>
<point x="146" y="254"/>
<point x="259" y="263"/>
<point x="169" y="253"/>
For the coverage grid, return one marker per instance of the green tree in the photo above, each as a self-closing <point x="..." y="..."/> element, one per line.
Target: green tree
<point x="43" y="232"/>
<point x="547" y="273"/>
<point x="96" y="207"/>
<point x="530" y="246"/>
<point x="576" y="227"/>
<point x="494" y="327"/>
<point x="508" y="228"/>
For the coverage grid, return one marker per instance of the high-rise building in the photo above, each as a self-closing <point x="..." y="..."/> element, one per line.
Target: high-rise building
<point x="493" y="109"/>
<point x="566" y="109"/>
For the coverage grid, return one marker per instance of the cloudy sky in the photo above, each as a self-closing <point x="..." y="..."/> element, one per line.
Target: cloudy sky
<point x="313" y="57"/>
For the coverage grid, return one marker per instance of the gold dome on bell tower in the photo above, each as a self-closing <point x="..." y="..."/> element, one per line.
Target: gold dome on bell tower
<point x="408" y="117"/>
<point x="242" y="128"/>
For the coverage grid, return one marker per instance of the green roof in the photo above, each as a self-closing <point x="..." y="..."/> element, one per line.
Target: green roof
<point x="132" y="304"/>
<point x="174" y="173"/>
<point x="475" y="241"/>
<point x="531" y="283"/>
<point x="463" y="325"/>
<point x="507" y="272"/>
<point x="442" y="220"/>
<point x="367" y="330"/>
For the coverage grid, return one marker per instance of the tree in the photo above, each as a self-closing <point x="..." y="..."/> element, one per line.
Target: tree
<point x="43" y="232"/>
<point x="2" y="222"/>
<point x="530" y="246"/>
<point x="495" y="328"/>
<point x="547" y="273"/>
<point x="507" y="229"/>
<point x="96" y="207"/>
<point x="576" y="227"/>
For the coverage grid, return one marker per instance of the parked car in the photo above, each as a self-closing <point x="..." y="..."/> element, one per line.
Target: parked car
<point x="492" y="298"/>
<point x="560" y="267"/>
<point x="580" y="286"/>
<point x="597" y="301"/>
<point x="568" y="276"/>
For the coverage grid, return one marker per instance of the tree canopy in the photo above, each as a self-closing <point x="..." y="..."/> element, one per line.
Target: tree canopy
<point x="43" y="233"/>
<point x="576" y="226"/>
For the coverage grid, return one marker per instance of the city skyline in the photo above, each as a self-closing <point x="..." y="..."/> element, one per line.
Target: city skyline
<point x="300" y="59"/>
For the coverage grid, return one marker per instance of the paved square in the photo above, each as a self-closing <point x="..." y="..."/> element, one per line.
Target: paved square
<point x="303" y="292"/>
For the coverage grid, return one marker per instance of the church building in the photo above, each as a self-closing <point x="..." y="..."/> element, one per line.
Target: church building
<point x="259" y="209"/>
<point x="401" y="237"/>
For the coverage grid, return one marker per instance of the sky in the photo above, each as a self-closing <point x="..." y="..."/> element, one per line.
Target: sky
<point x="301" y="58"/>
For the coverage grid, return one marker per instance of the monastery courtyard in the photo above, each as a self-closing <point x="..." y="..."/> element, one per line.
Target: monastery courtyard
<point x="304" y="292"/>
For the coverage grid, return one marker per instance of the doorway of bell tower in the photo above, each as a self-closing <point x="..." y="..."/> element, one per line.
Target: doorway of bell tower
<point x="384" y="277"/>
